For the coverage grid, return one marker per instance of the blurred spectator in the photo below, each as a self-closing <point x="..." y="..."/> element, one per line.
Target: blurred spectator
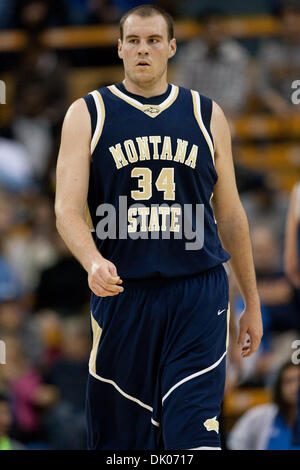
<point x="36" y="15"/>
<point x="16" y="321"/>
<point x="110" y="11"/>
<point x="296" y="429"/>
<point x="172" y="7"/>
<point x="292" y="266"/>
<point x="78" y="11"/>
<point x="66" y="422"/>
<point x="7" y="10"/>
<point x="279" y="62"/>
<point x="30" y="247"/>
<point x="104" y="11"/>
<point x="63" y="287"/>
<point x="269" y="427"/>
<point x="279" y="307"/>
<point x="16" y="171"/>
<point x="276" y="293"/>
<point x="49" y="325"/>
<point x="30" y="397"/>
<point x="6" y="443"/>
<point x="292" y="238"/>
<point x="40" y="102"/>
<point x="192" y="8"/>
<point x="266" y="205"/>
<point x="10" y="285"/>
<point x="247" y="179"/>
<point x="215" y="66"/>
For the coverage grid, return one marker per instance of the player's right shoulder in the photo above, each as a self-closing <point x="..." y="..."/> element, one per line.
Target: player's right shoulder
<point x="77" y="109"/>
<point x="77" y="118"/>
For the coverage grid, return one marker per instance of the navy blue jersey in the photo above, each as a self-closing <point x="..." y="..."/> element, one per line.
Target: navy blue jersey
<point x="152" y="178"/>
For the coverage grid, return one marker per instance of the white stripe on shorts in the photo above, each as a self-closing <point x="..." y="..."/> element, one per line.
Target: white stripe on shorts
<point x="203" y="371"/>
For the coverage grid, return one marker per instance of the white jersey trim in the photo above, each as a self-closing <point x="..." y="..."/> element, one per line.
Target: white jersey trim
<point x="100" y="118"/>
<point x="198" y="115"/>
<point x="155" y="423"/>
<point x="137" y="104"/>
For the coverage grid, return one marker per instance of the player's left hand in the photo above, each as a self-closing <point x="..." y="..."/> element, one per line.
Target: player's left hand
<point x="250" y="324"/>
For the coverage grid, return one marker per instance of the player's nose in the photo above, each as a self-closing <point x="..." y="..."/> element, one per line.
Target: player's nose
<point x="143" y="48"/>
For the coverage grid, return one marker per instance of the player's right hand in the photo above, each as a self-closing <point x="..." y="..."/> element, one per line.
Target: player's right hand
<point x="103" y="278"/>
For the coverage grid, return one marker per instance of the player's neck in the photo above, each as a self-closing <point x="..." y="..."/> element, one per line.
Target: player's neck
<point x="146" y="90"/>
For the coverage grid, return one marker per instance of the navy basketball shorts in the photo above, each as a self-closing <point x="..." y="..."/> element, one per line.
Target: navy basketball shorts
<point x="157" y="365"/>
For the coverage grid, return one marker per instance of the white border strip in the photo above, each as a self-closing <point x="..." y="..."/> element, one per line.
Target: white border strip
<point x="170" y="97"/>
<point x="138" y="103"/>
<point x="203" y="128"/>
<point x="155" y="423"/>
<point x="206" y="448"/>
<point x="99" y="119"/>
<point x="203" y="371"/>
<point x="126" y="97"/>
<point x="96" y="376"/>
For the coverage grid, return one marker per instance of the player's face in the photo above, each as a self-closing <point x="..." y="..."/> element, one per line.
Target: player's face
<point x="145" y="49"/>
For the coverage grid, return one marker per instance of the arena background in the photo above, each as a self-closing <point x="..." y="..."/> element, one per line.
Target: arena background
<point x="246" y="56"/>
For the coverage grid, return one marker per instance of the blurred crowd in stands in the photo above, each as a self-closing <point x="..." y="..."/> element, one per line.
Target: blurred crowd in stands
<point x="44" y="296"/>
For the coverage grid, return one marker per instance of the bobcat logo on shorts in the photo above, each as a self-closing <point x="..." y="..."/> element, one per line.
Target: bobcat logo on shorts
<point x="212" y="424"/>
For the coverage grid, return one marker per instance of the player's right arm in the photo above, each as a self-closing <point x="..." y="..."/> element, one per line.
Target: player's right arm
<point x="291" y="249"/>
<point x="72" y="179"/>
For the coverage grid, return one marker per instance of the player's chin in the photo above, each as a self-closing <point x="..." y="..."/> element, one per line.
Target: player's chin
<point x="144" y="75"/>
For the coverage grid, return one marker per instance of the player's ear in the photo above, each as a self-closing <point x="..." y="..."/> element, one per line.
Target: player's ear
<point x="120" y="49"/>
<point x="172" y="48"/>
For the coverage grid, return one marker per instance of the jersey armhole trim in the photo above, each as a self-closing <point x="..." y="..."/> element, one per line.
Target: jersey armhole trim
<point x="100" y="119"/>
<point x="88" y="218"/>
<point x="198" y="117"/>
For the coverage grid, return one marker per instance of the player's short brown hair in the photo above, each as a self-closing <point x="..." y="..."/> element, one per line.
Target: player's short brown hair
<point x="145" y="11"/>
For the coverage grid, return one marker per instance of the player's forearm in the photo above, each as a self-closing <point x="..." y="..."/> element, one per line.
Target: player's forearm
<point x="76" y="234"/>
<point x="235" y="237"/>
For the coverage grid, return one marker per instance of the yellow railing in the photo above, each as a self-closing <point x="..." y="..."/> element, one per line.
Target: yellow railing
<point x="107" y="35"/>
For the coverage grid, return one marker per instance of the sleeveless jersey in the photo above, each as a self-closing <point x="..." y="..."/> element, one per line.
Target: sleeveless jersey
<point x="152" y="177"/>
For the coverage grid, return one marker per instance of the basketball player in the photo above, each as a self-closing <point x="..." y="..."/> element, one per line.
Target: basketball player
<point x="153" y="160"/>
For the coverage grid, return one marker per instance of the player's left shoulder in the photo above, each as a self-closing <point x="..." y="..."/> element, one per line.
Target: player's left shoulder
<point x="217" y="112"/>
<point x="218" y="118"/>
<point x="191" y="91"/>
<point x="220" y="128"/>
<point x="202" y="102"/>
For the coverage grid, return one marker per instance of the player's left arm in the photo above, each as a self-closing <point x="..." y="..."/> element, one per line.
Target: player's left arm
<point x="234" y="232"/>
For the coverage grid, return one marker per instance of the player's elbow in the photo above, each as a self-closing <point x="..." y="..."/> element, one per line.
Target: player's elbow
<point x="61" y="215"/>
<point x="233" y="222"/>
<point x="66" y="214"/>
<point x="230" y="215"/>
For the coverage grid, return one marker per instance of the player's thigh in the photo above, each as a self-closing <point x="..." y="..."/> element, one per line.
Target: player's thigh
<point x="190" y="414"/>
<point x="193" y="377"/>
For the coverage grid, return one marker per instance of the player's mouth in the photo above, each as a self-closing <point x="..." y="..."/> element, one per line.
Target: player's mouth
<point x="143" y="63"/>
